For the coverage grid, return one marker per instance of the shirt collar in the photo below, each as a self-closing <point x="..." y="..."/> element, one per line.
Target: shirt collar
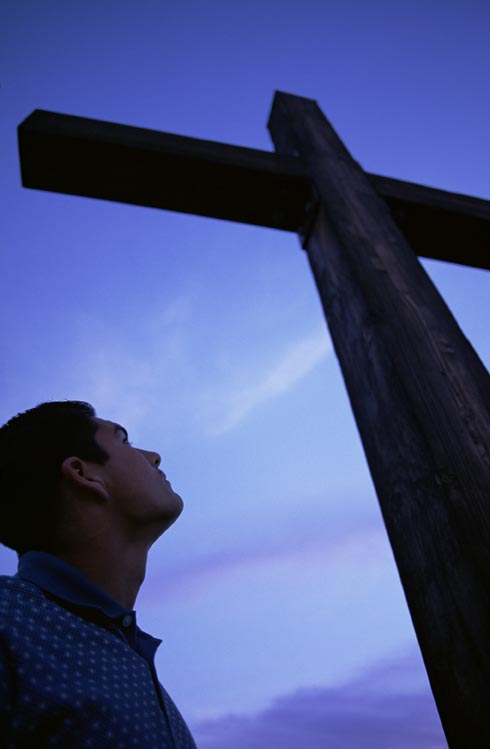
<point x="64" y="581"/>
<point x="67" y="584"/>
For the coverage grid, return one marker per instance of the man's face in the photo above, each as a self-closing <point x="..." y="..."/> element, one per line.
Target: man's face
<point x="138" y="490"/>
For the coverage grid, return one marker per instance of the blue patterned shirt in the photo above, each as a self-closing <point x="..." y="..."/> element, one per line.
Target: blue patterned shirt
<point x="75" y="669"/>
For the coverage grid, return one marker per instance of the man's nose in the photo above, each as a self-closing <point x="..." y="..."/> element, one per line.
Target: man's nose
<point x="153" y="458"/>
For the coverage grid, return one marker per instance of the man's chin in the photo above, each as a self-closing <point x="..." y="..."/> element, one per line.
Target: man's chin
<point x="176" y="509"/>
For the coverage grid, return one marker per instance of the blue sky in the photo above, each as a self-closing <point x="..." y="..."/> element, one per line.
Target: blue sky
<point x="276" y="595"/>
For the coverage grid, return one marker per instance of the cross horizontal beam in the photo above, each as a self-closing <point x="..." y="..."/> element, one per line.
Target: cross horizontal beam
<point x="93" y="158"/>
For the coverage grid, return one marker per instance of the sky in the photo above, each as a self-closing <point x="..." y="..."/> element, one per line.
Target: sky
<point x="276" y="595"/>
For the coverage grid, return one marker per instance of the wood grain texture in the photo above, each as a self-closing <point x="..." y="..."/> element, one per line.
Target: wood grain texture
<point x="133" y="165"/>
<point x="421" y="400"/>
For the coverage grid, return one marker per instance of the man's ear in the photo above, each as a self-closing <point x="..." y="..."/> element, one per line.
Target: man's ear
<point x="78" y="473"/>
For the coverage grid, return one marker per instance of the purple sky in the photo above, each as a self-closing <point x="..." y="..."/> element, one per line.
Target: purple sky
<point x="276" y="595"/>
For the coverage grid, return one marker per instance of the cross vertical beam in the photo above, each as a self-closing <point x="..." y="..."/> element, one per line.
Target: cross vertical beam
<point x="421" y="400"/>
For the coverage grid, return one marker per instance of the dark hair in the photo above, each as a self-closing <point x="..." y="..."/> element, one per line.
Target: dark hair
<point x="33" y="445"/>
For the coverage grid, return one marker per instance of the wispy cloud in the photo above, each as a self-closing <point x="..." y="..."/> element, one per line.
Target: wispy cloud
<point x="126" y="369"/>
<point x="129" y="367"/>
<point x="301" y="554"/>
<point x="389" y="707"/>
<point x="291" y="366"/>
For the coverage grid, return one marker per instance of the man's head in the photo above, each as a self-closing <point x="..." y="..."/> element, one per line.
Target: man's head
<point x="60" y="461"/>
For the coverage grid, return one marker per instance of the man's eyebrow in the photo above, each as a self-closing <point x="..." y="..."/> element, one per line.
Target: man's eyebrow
<point x="119" y="428"/>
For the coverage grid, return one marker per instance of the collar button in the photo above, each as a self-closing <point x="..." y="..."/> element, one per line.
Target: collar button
<point x="127" y="620"/>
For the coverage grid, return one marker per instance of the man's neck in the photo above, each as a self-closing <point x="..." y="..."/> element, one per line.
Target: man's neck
<point x="118" y="570"/>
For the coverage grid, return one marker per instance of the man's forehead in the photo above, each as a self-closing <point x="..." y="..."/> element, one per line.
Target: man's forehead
<point x="108" y="426"/>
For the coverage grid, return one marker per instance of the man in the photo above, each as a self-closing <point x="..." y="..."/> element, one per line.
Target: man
<point x="82" y="507"/>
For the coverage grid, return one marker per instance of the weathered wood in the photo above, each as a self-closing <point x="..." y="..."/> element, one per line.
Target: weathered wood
<point x="439" y="224"/>
<point x="103" y="160"/>
<point x="421" y="400"/>
<point x="134" y="165"/>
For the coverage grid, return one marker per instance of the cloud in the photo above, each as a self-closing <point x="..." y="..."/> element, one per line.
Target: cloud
<point x="297" y="361"/>
<point x="125" y="368"/>
<point x="323" y="548"/>
<point x="130" y="365"/>
<point x="389" y="707"/>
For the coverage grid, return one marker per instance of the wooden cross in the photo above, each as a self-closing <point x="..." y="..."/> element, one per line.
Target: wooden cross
<point x="419" y="393"/>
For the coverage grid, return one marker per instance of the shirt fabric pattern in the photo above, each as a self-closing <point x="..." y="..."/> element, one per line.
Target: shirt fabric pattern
<point x="75" y="669"/>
